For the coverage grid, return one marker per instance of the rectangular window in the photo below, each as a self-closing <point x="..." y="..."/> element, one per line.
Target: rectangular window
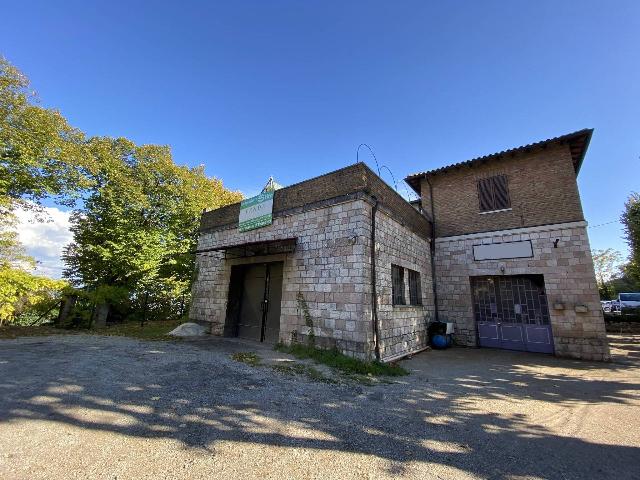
<point x="397" y="285"/>
<point x="415" y="288"/>
<point x="493" y="193"/>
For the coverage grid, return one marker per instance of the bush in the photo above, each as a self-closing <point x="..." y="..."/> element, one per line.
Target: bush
<point x="26" y="299"/>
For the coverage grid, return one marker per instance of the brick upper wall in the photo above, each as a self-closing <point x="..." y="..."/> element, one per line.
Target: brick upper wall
<point x="542" y="187"/>
<point x="348" y="181"/>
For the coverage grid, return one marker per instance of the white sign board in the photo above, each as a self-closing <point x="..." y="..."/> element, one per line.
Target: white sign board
<point x="497" y="251"/>
<point x="256" y="212"/>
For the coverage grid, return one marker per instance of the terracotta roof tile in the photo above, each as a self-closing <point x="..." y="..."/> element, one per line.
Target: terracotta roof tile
<point x="578" y="142"/>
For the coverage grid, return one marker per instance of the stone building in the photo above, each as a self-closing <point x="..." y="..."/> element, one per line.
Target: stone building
<point x="345" y="260"/>
<point x="513" y="262"/>
<point x="313" y="270"/>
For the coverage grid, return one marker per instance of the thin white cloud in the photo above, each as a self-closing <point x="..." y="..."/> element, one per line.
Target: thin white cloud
<point x="45" y="240"/>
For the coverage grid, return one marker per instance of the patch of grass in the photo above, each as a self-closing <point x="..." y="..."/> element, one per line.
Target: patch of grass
<point x="15" y="331"/>
<point x="367" y="380"/>
<point x="153" y="330"/>
<point x="341" y="362"/>
<point x="249" y="358"/>
<point x="293" y="369"/>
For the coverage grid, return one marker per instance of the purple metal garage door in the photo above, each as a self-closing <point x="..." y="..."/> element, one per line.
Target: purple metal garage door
<point x="512" y="313"/>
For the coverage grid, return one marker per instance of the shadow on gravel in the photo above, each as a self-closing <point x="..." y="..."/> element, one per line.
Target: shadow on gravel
<point x="168" y="391"/>
<point x="625" y="349"/>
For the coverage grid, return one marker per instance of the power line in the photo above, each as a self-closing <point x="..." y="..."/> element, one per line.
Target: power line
<point x="603" y="224"/>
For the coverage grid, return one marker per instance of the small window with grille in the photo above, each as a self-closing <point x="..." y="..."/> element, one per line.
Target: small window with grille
<point x="397" y="285"/>
<point x="415" y="288"/>
<point x="493" y="193"/>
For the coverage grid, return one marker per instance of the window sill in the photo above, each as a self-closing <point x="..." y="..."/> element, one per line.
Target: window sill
<point x="408" y="306"/>
<point x="496" y="211"/>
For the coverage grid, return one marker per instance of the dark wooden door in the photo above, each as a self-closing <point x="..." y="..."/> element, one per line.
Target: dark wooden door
<point x="234" y="301"/>
<point x="259" y="315"/>
<point x="274" y="295"/>
<point x="253" y="289"/>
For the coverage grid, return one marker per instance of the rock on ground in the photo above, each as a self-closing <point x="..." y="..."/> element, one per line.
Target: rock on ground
<point x="188" y="329"/>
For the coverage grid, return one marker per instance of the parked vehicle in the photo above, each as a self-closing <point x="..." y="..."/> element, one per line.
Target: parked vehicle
<point x="628" y="302"/>
<point x="614" y="307"/>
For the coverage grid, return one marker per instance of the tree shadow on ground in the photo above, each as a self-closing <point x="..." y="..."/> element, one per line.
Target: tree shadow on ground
<point x="201" y="398"/>
<point x="625" y="349"/>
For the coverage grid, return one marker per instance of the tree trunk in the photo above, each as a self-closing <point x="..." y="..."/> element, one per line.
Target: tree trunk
<point x="66" y="307"/>
<point x="100" y="315"/>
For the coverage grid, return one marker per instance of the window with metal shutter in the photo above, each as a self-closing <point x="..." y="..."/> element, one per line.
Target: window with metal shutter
<point x="493" y="193"/>
<point x="397" y="285"/>
<point x="415" y="288"/>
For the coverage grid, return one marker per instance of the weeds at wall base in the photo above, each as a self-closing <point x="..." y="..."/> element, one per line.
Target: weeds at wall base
<point x="341" y="362"/>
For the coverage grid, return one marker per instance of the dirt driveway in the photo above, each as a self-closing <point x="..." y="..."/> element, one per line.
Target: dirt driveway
<point x="109" y="407"/>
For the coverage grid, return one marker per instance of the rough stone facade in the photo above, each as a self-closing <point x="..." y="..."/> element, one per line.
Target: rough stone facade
<point x="568" y="276"/>
<point x="327" y="280"/>
<point x="544" y="205"/>
<point x="327" y="269"/>
<point x="403" y="328"/>
<point x="346" y="183"/>
<point x="329" y="276"/>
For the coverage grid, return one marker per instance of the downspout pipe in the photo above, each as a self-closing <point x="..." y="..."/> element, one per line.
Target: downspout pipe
<point x="374" y="293"/>
<point x="433" y="252"/>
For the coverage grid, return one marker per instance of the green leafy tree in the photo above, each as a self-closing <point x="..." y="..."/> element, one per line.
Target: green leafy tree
<point x="41" y="155"/>
<point x="623" y="282"/>
<point x="606" y="264"/>
<point x="12" y="252"/>
<point x="631" y="220"/>
<point x="27" y="297"/>
<point x="24" y="297"/>
<point x="138" y="227"/>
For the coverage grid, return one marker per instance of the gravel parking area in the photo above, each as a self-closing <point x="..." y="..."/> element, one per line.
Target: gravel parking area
<point x="107" y="407"/>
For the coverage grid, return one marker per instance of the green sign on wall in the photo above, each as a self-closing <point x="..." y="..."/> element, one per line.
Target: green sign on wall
<point x="256" y="212"/>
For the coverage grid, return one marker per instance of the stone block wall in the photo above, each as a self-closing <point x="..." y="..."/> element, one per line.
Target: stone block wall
<point x="328" y="275"/>
<point x="568" y="276"/>
<point x="355" y="181"/>
<point x="403" y="328"/>
<point x="329" y="268"/>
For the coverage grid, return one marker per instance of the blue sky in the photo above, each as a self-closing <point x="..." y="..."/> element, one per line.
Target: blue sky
<point x="290" y="89"/>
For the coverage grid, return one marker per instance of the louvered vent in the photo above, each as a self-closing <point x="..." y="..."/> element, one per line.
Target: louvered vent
<point x="493" y="193"/>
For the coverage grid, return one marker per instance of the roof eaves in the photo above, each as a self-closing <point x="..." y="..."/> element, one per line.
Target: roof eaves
<point x="585" y="147"/>
<point x="414" y="179"/>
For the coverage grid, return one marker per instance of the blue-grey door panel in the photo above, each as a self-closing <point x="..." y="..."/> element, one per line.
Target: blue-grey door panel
<point x="488" y="333"/>
<point x="511" y="313"/>
<point x="512" y="337"/>
<point x="539" y="338"/>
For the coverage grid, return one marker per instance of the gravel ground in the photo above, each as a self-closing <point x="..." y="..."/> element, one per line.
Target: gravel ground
<point x="108" y="407"/>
